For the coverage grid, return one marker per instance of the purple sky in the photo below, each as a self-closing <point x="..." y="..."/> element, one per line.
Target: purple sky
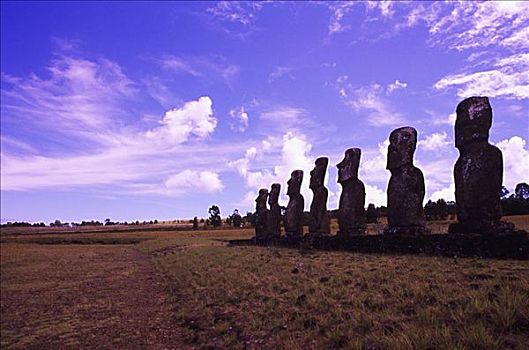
<point x="158" y="110"/>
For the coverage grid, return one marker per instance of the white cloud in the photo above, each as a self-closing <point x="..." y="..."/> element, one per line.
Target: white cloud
<point x="448" y="120"/>
<point x="396" y="86"/>
<point x="182" y="183"/>
<point x="241" y="116"/>
<point x="373" y="164"/>
<point x="189" y="180"/>
<point x="438" y="173"/>
<point x="484" y="26"/>
<point x="133" y="158"/>
<point x="371" y="98"/>
<point x="446" y="193"/>
<point x="179" y="124"/>
<point x="386" y="8"/>
<point x="435" y="141"/>
<point x="515" y="161"/>
<point x="375" y="195"/>
<point x="243" y="164"/>
<point x="339" y="10"/>
<point x="295" y="154"/>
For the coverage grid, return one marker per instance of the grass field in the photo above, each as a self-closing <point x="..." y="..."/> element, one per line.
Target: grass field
<point x="166" y="289"/>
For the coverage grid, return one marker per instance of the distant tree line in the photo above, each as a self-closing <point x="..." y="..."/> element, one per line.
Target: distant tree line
<point x="516" y="203"/>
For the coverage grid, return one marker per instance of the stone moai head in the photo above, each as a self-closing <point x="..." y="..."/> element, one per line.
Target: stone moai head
<point x="260" y="201"/>
<point x="402" y="144"/>
<point x="348" y="167"/>
<point x="294" y="184"/>
<point x="317" y="175"/>
<point x="474" y="119"/>
<point x="273" y="198"/>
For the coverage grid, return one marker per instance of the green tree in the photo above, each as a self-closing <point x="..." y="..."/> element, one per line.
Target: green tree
<point x="236" y="218"/>
<point x="214" y="216"/>
<point x="521" y="191"/>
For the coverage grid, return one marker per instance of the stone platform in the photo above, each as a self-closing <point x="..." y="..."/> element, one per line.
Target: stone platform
<point x="513" y="245"/>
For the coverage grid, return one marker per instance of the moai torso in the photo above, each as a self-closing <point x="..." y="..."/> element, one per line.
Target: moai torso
<point x="478" y="171"/>
<point x="273" y="224"/>
<point x="261" y="213"/>
<point x="478" y="179"/>
<point x="295" y="207"/>
<point x="406" y="185"/>
<point x="405" y="197"/>
<point x="351" y="211"/>
<point x="319" y="218"/>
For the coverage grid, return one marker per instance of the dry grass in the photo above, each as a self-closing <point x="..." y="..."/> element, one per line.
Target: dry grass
<point x="197" y="292"/>
<point x="235" y="297"/>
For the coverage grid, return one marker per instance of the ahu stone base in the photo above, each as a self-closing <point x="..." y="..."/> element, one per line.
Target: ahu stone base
<point x="513" y="245"/>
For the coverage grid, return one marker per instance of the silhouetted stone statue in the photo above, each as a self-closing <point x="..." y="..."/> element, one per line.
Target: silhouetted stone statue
<point x="478" y="171"/>
<point x="261" y="214"/>
<point x="351" y="212"/>
<point x="296" y="204"/>
<point x="406" y="185"/>
<point x="319" y="218"/>
<point x="273" y="225"/>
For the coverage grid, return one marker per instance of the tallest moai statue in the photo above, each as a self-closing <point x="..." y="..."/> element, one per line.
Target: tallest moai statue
<point x="478" y="171"/>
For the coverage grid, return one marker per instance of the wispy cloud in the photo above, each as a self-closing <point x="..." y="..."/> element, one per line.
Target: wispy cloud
<point x="82" y="101"/>
<point x="456" y="25"/>
<point x="465" y="25"/>
<point x="509" y="79"/>
<point x="78" y="97"/>
<point x="242" y="12"/>
<point x="177" y="64"/>
<point x="338" y="11"/>
<point x="278" y="72"/>
<point x="203" y="67"/>
<point x="137" y="156"/>
<point x="371" y="98"/>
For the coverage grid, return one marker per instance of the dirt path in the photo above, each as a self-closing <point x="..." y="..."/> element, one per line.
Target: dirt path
<point x="90" y="296"/>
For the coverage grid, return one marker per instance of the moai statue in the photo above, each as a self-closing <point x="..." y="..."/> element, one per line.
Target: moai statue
<point x="351" y="211"/>
<point x="406" y="185"/>
<point x="296" y="204"/>
<point x="319" y="218"/>
<point x="261" y="214"/>
<point x="273" y="224"/>
<point x="478" y="171"/>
